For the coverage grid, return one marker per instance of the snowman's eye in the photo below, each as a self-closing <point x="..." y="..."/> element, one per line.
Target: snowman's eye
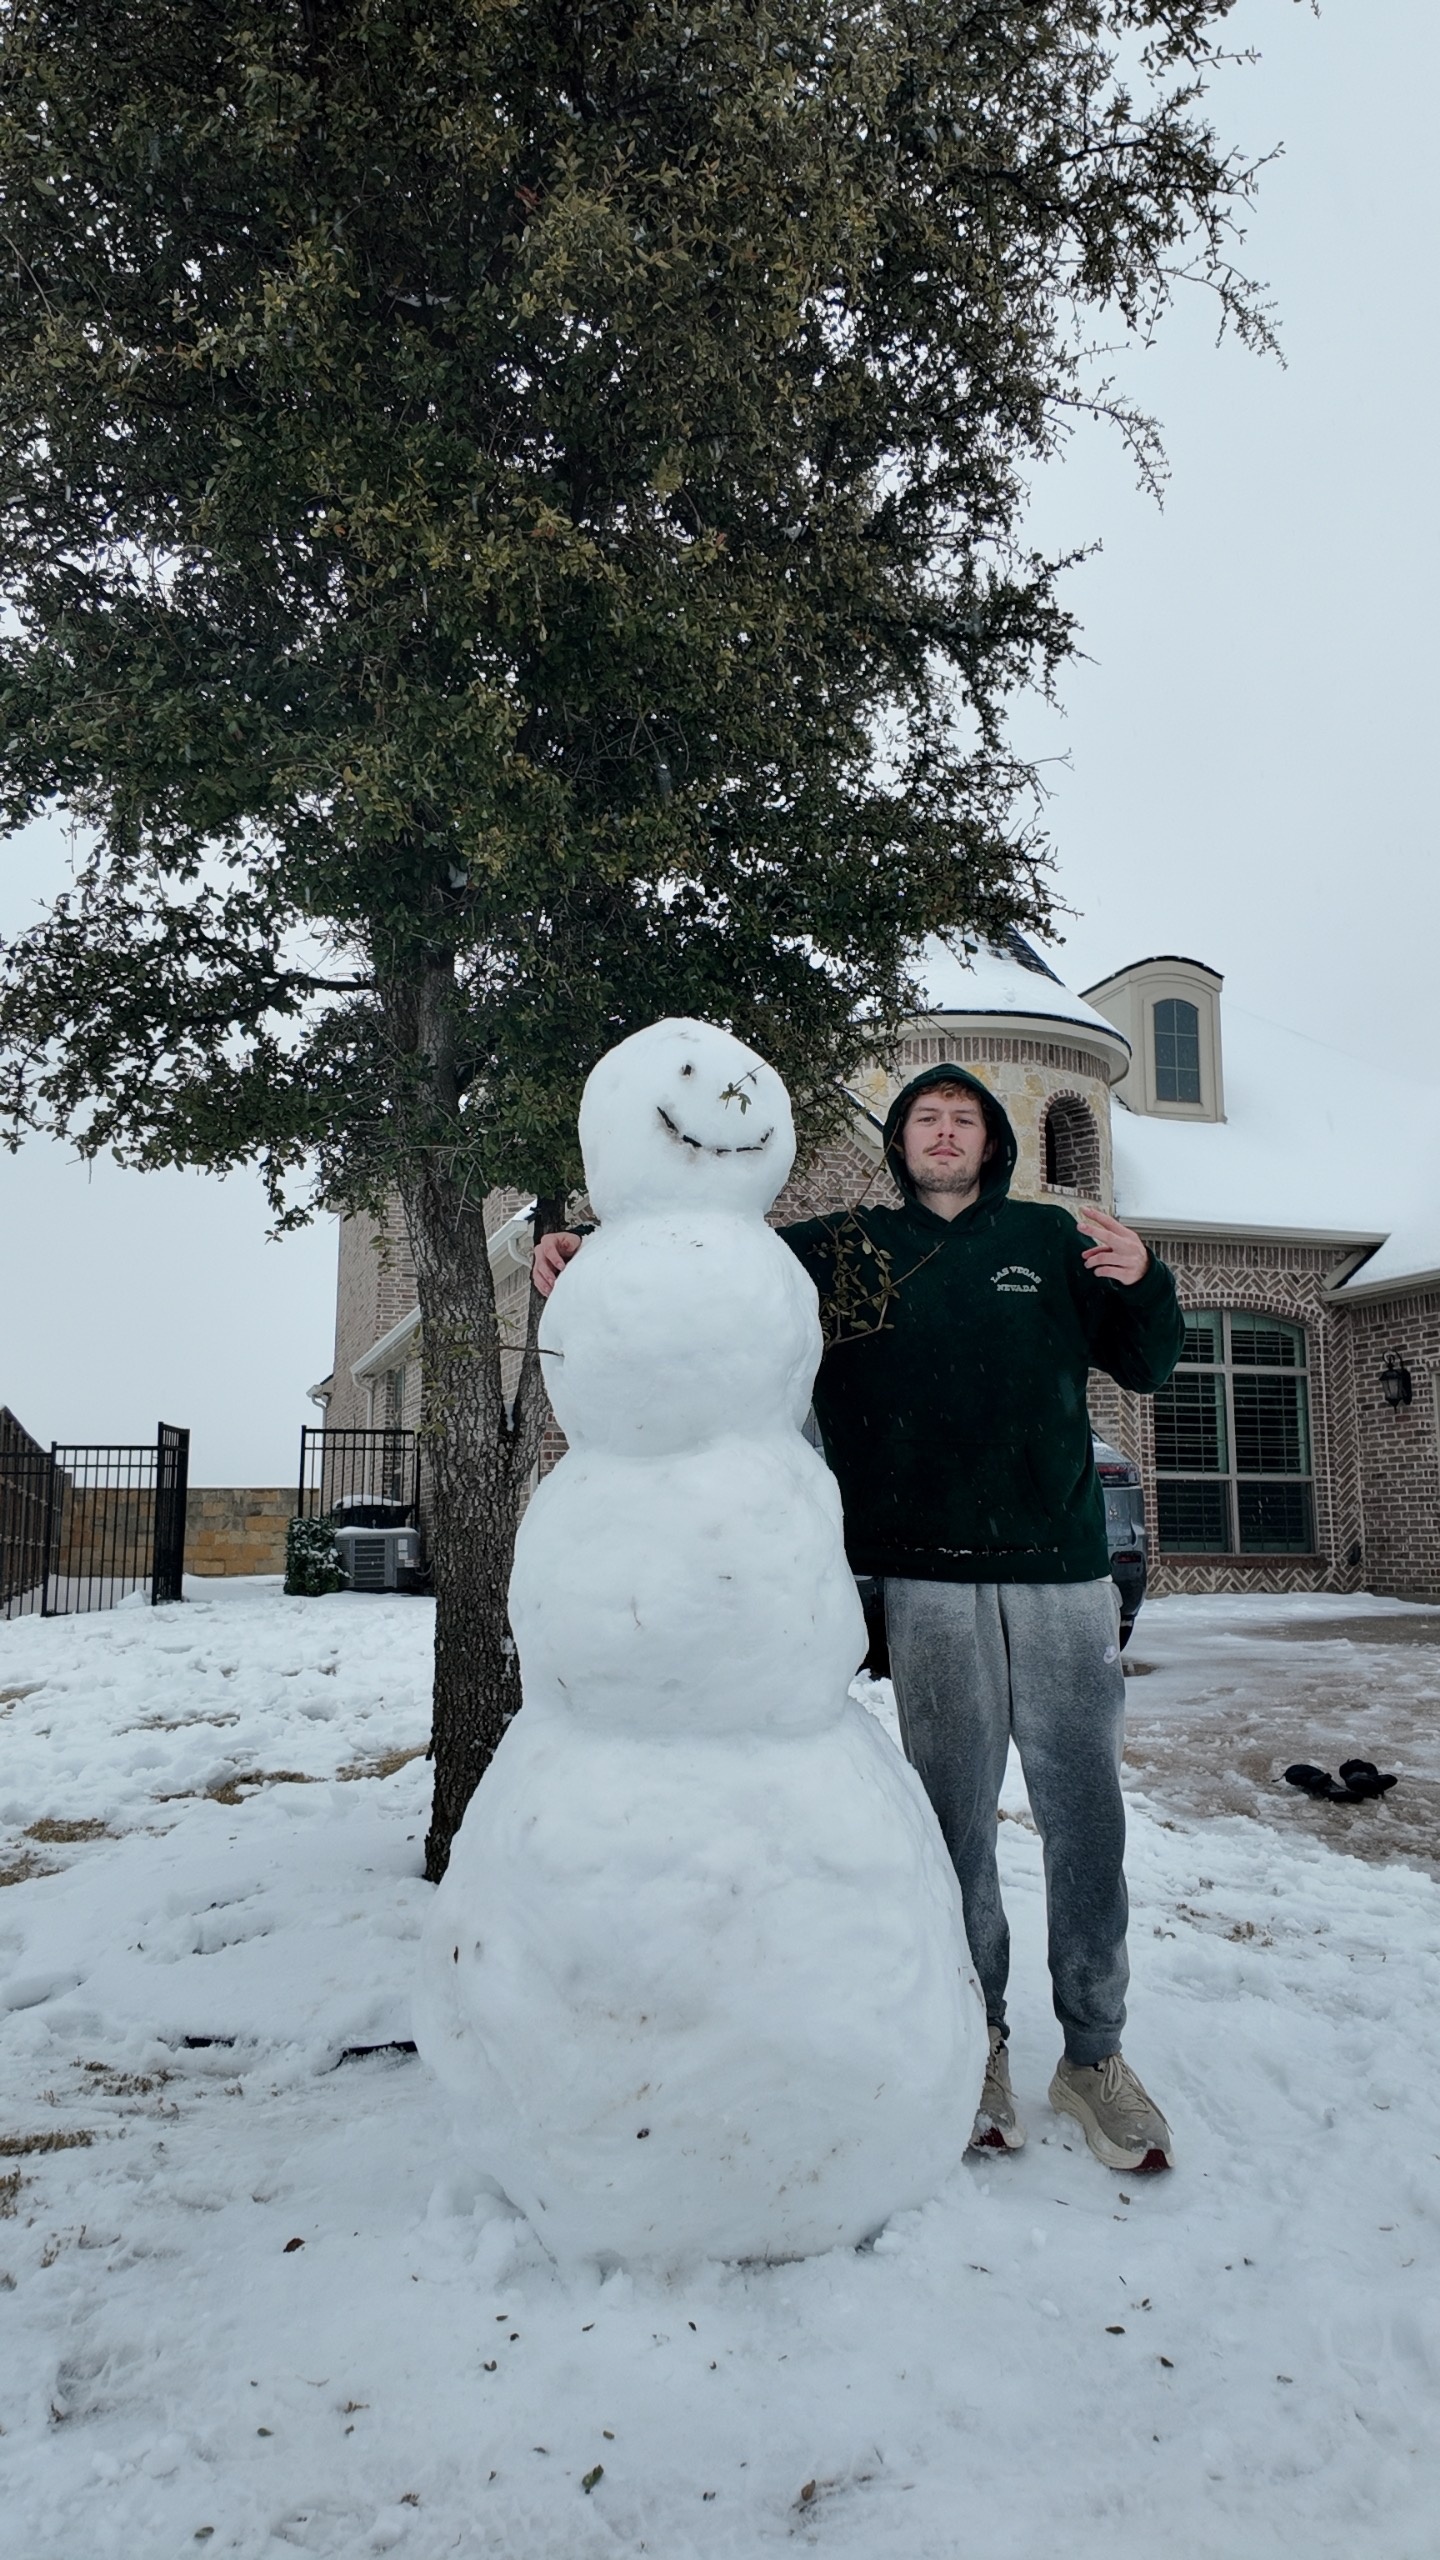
<point x="687" y="1071"/>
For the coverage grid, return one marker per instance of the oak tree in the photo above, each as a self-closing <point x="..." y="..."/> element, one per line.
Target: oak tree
<point x="513" y="525"/>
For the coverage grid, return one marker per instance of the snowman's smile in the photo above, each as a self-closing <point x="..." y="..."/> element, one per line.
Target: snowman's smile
<point x="682" y="1138"/>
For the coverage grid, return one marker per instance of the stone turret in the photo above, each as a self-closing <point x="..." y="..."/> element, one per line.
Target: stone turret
<point x="1045" y="1053"/>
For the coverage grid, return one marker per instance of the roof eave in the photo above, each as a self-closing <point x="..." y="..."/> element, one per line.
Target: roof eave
<point x="1398" y="1285"/>
<point x="1111" y="1045"/>
<point x="389" y="1350"/>
<point x="1149" y="1222"/>
<point x="505" y="1245"/>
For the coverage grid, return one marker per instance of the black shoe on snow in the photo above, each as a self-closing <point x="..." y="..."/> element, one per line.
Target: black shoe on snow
<point x="1359" y="1782"/>
<point x="1363" y="1779"/>
<point x="1316" y="1782"/>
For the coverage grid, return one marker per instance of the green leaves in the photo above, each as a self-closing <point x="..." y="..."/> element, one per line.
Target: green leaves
<point x="478" y="479"/>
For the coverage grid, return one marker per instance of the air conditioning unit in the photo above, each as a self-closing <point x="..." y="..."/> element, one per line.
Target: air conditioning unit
<point x="378" y="1559"/>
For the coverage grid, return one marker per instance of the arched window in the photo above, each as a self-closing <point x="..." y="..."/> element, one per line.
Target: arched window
<point x="1177" y="1051"/>
<point x="1072" y="1146"/>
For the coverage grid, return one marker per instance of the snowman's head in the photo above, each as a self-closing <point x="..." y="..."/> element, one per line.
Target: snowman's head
<point x="683" y="1114"/>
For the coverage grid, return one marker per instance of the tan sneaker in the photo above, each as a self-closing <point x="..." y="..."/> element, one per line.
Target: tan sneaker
<point x="1121" y="2123"/>
<point x="997" y="2126"/>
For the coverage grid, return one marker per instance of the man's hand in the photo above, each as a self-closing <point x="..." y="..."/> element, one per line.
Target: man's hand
<point x="1116" y="1254"/>
<point x="550" y="1257"/>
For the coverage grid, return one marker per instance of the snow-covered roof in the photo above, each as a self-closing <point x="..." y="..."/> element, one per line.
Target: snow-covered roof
<point x="1313" y="1143"/>
<point x="993" y="981"/>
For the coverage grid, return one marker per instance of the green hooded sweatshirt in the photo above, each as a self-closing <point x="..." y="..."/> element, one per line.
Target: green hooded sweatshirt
<point x="952" y="1395"/>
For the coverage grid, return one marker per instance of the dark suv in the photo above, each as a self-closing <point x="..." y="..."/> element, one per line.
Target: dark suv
<point x="1124" y="1530"/>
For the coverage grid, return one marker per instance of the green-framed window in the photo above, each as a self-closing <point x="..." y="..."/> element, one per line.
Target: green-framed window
<point x="1232" y="1440"/>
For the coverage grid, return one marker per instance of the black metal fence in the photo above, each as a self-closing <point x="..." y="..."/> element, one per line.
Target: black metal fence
<point x="25" y="1471"/>
<point x="85" y="1523"/>
<point x="366" y="1479"/>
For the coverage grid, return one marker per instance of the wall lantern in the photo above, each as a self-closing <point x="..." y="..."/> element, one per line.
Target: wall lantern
<point x="1395" y="1379"/>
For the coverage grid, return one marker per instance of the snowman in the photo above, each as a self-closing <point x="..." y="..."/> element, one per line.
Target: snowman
<point x="696" y="1977"/>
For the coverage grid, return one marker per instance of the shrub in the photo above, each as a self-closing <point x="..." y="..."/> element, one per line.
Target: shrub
<point x="312" y="1559"/>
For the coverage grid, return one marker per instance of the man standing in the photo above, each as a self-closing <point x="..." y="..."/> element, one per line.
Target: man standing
<point x="960" y="1331"/>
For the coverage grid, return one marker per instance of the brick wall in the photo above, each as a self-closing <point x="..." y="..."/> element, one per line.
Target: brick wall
<point x="234" y="1529"/>
<point x="836" y="1177"/>
<point x="375" y="1288"/>
<point x="1399" y="1452"/>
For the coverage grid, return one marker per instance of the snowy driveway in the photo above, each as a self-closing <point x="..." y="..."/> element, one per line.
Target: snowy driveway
<point x="253" y="2305"/>
<point x="1225" y="1694"/>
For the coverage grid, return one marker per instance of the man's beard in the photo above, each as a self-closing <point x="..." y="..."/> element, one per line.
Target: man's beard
<point x="950" y="1181"/>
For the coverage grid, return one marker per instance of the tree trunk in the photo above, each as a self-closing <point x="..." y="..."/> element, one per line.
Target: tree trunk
<point x="479" y="1451"/>
<point x="473" y="1501"/>
<point x="479" y="1448"/>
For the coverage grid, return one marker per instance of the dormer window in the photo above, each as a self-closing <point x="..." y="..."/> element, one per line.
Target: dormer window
<point x="1177" y="1050"/>
<point x="1169" y="1010"/>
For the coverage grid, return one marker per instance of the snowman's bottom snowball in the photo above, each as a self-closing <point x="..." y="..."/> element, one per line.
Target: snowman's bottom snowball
<point x="708" y="1996"/>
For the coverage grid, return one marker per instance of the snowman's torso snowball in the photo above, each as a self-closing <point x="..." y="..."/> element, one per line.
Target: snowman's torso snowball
<point x="670" y="1328"/>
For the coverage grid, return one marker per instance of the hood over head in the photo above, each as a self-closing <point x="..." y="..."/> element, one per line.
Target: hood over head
<point x="995" y="1177"/>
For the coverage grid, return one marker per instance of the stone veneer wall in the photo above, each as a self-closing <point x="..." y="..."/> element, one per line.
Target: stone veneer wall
<point x="1400" y="1450"/>
<point x="1274" y="1279"/>
<point x="1025" y="1074"/>
<point x="233" y="1529"/>
<point x="228" y="1528"/>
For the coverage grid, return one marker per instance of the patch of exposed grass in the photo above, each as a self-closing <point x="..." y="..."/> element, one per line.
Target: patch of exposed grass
<point x="12" y="1697"/>
<point x="17" y="2146"/>
<point x="177" y="1724"/>
<point x="20" y="1870"/>
<point x="10" y="2187"/>
<point x="58" y="1835"/>
<point x="234" y="1790"/>
<point x="385" y="1764"/>
<point x="239" y="1788"/>
<point x="123" y="2084"/>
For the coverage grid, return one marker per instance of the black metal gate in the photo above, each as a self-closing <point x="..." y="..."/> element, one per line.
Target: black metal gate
<point x="369" y="1478"/>
<point x="172" y="1483"/>
<point x="85" y="1523"/>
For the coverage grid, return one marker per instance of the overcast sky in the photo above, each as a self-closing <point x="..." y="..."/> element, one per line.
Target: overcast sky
<point x="1240" y="773"/>
<point x="1250" y="774"/>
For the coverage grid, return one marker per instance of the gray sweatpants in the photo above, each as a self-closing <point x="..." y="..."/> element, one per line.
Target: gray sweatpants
<point x="974" y="1663"/>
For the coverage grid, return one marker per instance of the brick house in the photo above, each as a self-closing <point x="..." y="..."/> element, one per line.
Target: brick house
<point x="1295" y="1193"/>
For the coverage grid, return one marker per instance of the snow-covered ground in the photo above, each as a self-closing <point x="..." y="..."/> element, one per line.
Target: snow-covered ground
<point x="1226" y="1694"/>
<point x="253" y="2305"/>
